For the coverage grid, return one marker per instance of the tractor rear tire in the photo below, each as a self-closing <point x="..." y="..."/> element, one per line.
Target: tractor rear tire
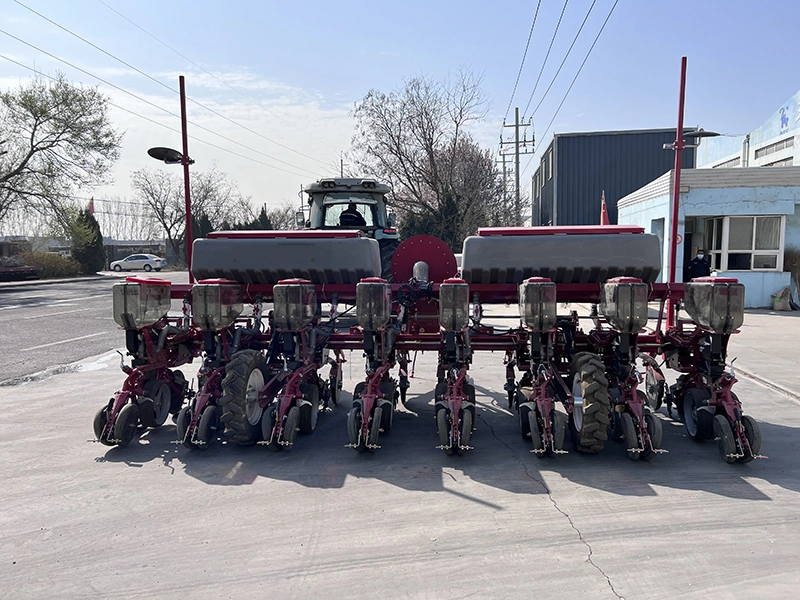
<point x="155" y="404"/>
<point x="245" y="375"/>
<point x="125" y="426"/>
<point x="309" y="415"/>
<point x="388" y="247"/>
<point x="589" y="386"/>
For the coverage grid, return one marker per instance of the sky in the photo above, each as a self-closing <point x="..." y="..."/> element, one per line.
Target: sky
<point x="272" y="85"/>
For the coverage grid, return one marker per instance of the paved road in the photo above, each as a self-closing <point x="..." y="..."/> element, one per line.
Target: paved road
<point x="46" y="326"/>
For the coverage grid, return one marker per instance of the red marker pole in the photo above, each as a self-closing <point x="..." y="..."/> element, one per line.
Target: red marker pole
<point x="678" y="146"/>
<point x="186" y="161"/>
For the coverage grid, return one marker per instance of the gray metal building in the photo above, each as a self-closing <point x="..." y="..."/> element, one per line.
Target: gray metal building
<point x="577" y="167"/>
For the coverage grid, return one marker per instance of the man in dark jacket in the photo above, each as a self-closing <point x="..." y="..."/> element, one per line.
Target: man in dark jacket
<point x="699" y="267"/>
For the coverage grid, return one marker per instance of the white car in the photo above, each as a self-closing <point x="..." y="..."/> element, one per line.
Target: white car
<point x="148" y="262"/>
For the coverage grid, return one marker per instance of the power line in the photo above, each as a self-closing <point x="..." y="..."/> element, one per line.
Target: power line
<point x="546" y="56"/>
<point x="196" y="139"/>
<point x="226" y="84"/>
<point x="171" y="89"/>
<point x="522" y="64"/>
<point x="575" y="78"/>
<point x="572" y="45"/>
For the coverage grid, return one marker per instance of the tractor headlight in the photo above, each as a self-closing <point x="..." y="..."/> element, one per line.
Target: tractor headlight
<point x="537" y="304"/>
<point x="140" y="302"/>
<point x="216" y="303"/>
<point x="373" y="303"/>
<point x="623" y="301"/>
<point x="295" y="304"/>
<point x="715" y="303"/>
<point x="454" y="304"/>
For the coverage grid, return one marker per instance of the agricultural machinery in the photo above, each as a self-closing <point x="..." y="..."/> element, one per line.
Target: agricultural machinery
<point x="264" y="377"/>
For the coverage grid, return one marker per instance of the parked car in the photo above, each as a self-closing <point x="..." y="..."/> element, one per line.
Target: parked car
<point x="148" y="262"/>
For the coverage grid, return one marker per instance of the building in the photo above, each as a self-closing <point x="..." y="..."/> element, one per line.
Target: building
<point x="577" y="168"/>
<point x="743" y="218"/>
<point x="774" y="144"/>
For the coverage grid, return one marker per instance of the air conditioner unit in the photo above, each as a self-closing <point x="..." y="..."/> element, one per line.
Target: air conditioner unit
<point x="689" y="225"/>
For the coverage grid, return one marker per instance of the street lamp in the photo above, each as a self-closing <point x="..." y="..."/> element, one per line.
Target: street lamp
<point x="173" y="157"/>
<point x="678" y="145"/>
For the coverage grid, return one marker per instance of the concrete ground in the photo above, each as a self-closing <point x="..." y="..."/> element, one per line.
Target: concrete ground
<point x="156" y="520"/>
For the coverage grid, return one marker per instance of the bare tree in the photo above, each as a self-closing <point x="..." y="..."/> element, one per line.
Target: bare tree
<point x="416" y="139"/>
<point x="56" y="137"/>
<point x="123" y="219"/>
<point x="211" y="195"/>
<point x="282" y="217"/>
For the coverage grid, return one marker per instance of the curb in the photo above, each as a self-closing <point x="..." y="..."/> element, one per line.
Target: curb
<point x="28" y="282"/>
<point x="767" y="383"/>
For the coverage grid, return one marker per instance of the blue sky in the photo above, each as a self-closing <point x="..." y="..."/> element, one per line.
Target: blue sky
<point x="302" y="65"/>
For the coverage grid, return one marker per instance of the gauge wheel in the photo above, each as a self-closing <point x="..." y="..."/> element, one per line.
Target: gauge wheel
<point x="125" y="426"/>
<point x="99" y="425"/>
<point x="208" y="427"/>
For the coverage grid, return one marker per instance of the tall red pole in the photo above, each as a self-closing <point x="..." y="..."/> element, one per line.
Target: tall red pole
<point x="678" y="146"/>
<point x="186" y="161"/>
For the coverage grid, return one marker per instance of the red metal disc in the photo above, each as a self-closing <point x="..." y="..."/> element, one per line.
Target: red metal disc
<point x="440" y="258"/>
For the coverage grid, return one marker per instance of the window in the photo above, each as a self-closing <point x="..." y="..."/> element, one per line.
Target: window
<point x="550" y="164"/>
<point x="786" y="162"/>
<point x="734" y="162"/>
<point x="776" y="147"/>
<point x="745" y="243"/>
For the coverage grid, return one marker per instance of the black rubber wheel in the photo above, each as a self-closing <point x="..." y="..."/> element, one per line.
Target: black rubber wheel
<point x="179" y="379"/>
<point x="752" y="432"/>
<point x="403" y="388"/>
<point x="698" y="417"/>
<point x="511" y="392"/>
<point x="117" y="268"/>
<point x="656" y="433"/>
<point x="466" y="429"/>
<point x="524" y="425"/>
<point x="155" y="403"/>
<point x="358" y="390"/>
<point x="208" y="427"/>
<point x="536" y="433"/>
<point x="375" y="427"/>
<point x="99" y="424"/>
<point x="559" y="428"/>
<point x="148" y="268"/>
<point x="125" y="426"/>
<point x="354" y="429"/>
<point x="443" y="428"/>
<point x="387" y="415"/>
<point x="182" y="425"/>
<point x="309" y="415"/>
<point x="290" y="427"/>
<point x="589" y="387"/>
<point x="726" y="444"/>
<point x="245" y="375"/>
<point x="335" y="385"/>
<point x="630" y="436"/>
<point x="388" y="247"/>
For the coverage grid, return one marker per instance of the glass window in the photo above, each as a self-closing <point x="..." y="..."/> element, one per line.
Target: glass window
<point x="750" y="243"/>
<point x="740" y="236"/>
<point x="768" y="261"/>
<point x="333" y="213"/>
<point x="768" y="233"/>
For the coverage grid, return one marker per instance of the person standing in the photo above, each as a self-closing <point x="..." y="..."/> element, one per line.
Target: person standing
<point x="699" y="266"/>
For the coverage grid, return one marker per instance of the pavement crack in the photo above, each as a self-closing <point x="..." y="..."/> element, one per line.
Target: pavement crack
<point x="565" y="514"/>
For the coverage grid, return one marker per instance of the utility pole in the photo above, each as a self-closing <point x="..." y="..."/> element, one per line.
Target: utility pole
<point x="517" y="152"/>
<point x="505" y="171"/>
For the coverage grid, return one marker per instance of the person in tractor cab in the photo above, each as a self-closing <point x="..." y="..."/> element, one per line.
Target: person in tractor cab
<point x="350" y="217"/>
<point x="699" y="267"/>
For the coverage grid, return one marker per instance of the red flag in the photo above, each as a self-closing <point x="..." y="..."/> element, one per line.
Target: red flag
<point x="90" y="208"/>
<point x="603" y="210"/>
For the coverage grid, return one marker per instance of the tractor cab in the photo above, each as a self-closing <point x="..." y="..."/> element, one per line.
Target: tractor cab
<point x="353" y="204"/>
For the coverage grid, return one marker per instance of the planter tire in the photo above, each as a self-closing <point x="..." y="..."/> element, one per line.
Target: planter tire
<point x="245" y="375"/>
<point x="589" y="386"/>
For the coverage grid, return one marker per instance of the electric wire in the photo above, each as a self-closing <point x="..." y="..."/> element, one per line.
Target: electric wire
<point x="134" y="113"/>
<point x="171" y="89"/>
<point x="574" y="79"/>
<point x="522" y="64"/>
<point x="223" y="82"/>
<point x="546" y="56"/>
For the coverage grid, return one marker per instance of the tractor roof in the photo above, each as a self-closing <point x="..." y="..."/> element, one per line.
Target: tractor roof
<point x="340" y="185"/>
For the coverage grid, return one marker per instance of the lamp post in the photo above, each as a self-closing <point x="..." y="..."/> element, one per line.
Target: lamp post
<point x="171" y="157"/>
<point x="678" y="145"/>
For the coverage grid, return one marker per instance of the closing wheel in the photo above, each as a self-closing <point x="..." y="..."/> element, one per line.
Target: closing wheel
<point x="752" y="432"/>
<point x="698" y="417"/>
<point x="388" y="390"/>
<point x="629" y="436"/>
<point x="656" y="433"/>
<point x="525" y="408"/>
<point x="443" y="428"/>
<point x="290" y="427"/>
<point x="182" y="423"/>
<point x="559" y="428"/>
<point x="155" y="403"/>
<point x="241" y="412"/>
<point x="723" y="435"/>
<point x="125" y="426"/>
<point x="536" y="433"/>
<point x="354" y="429"/>
<point x="99" y="424"/>
<point x="179" y="379"/>
<point x="589" y="386"/>
<point x="208" y="427"/>
<point x="309" y="413"/>
<point x="335" y="384"/>
<point x="375" y="427"/>
<point x="466" y="429"/>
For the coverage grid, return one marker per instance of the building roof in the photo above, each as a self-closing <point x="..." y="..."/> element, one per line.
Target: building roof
<point x="715" y="178"/>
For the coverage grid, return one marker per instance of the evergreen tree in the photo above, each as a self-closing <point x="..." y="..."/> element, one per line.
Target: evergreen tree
<point x="87" y="242"/>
